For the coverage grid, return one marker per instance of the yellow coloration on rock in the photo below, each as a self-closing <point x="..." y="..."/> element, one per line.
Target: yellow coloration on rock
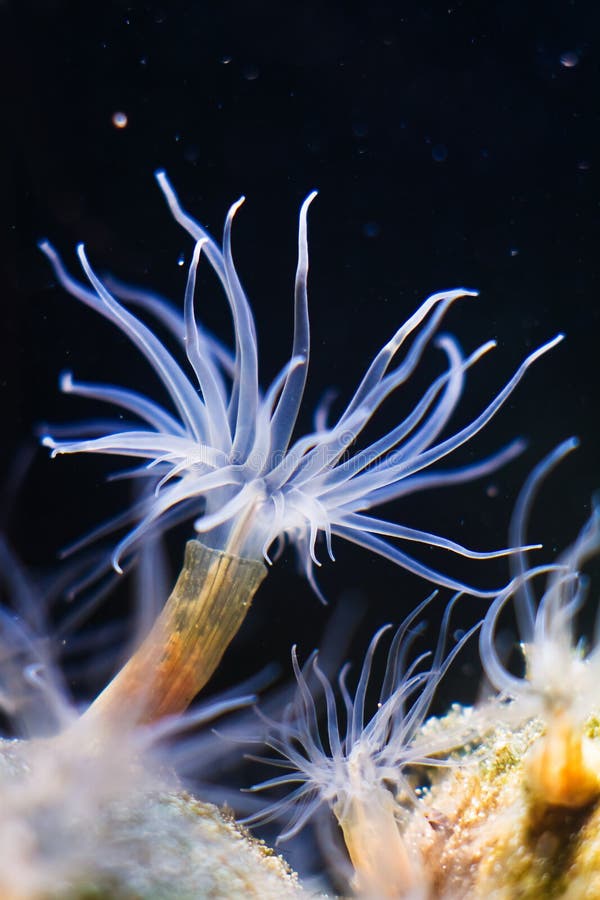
<point x="486" y="835"/>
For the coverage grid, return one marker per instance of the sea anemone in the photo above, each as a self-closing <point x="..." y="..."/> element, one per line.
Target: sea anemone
<point x="225" y="455"/>
<point x="360" y="770"/>
<point x="560" y="682"/>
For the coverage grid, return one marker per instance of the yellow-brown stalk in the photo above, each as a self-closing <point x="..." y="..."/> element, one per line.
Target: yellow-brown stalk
<point x="562" y="766"/>
<point x="382" y="862"/>
<point x="186" y="644"/>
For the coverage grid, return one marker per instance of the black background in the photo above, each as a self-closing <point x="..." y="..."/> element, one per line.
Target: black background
<point x="452" y="144"/>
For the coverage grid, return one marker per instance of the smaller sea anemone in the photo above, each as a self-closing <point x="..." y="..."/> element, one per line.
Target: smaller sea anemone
<point x="560" y="682"/>
<point x="360" y="770"/>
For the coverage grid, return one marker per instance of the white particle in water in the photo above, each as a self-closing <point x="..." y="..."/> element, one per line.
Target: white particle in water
<point x="120" y="120"/>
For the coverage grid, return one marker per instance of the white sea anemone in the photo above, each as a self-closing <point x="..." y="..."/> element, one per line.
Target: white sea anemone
<point x="360" y="769"/>
<point x="560" y="672"/>
<point x="224" y="453"/>
<point x="360" y="755"/>
<point x="559" y="686"/>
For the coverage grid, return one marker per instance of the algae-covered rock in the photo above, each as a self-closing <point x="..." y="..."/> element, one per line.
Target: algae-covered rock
<point x="79" y="822"/>
<point x="484" y="835"/>
<point x="85" y="816"/>
<point x="76" y="825"/>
